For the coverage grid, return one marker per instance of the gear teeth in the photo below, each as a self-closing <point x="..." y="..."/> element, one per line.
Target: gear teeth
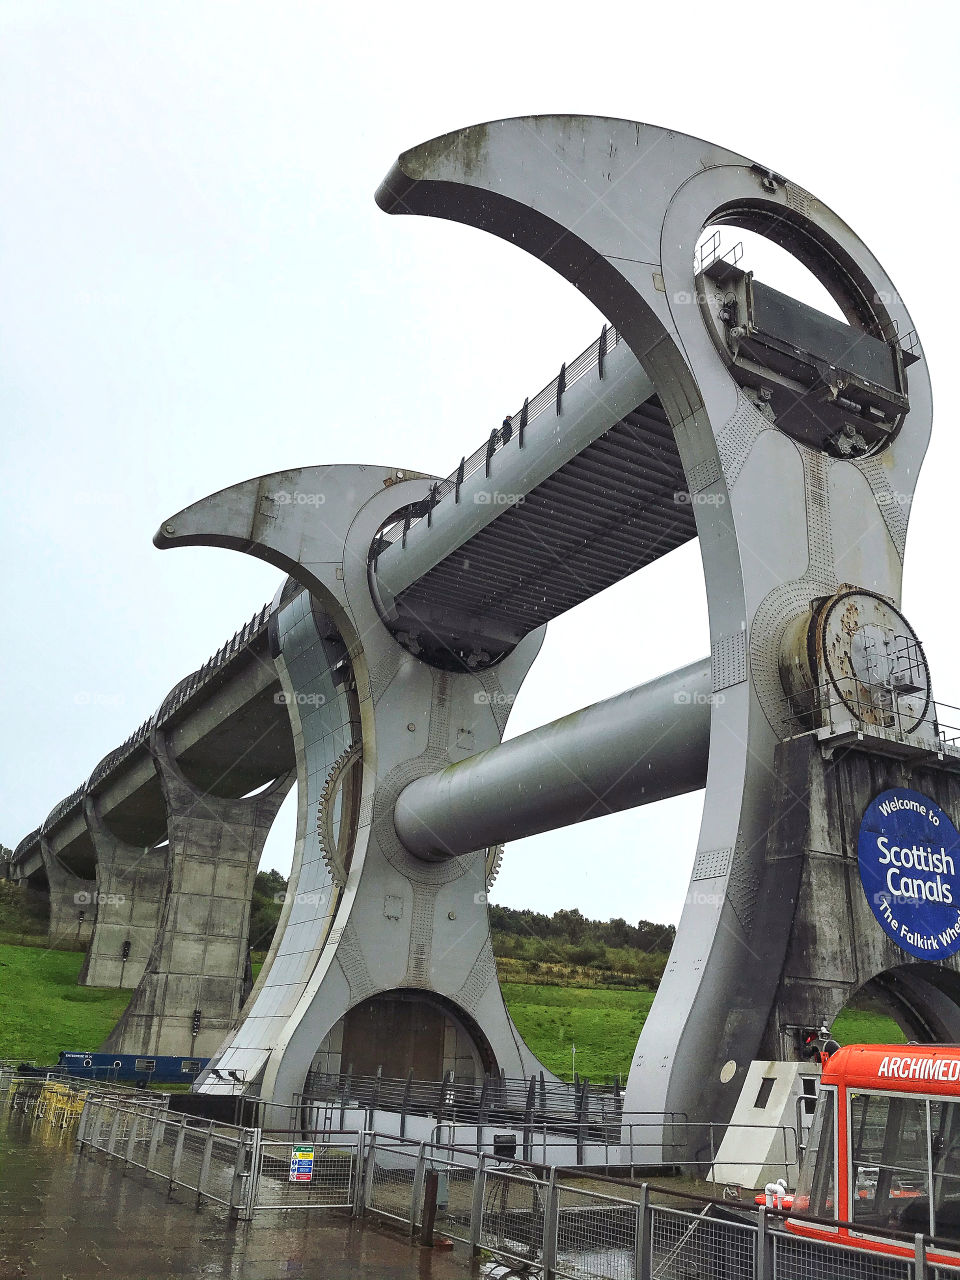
<point x="494" y="859"/>
<point x="328" y="852"/>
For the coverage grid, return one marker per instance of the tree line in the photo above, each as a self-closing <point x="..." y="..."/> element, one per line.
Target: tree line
<point x="636" y="952"/>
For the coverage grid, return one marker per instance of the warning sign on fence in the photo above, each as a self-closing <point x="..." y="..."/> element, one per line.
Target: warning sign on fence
<point x="301" y="1164"/>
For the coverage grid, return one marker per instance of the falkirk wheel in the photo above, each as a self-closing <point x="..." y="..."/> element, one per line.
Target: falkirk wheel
<point x="797" y="439"/>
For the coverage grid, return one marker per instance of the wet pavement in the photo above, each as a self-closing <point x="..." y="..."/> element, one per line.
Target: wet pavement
<point x="64" y="1216"/>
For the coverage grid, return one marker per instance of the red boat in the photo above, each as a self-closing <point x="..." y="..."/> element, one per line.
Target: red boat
<point x="884" y="1151"/>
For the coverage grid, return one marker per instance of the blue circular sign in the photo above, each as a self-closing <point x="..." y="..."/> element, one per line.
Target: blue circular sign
<point x="909" y="857"/>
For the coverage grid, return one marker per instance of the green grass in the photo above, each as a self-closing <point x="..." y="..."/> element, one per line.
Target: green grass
<point x="604" y="1025"/>
<point x="42" y="1010"/>
<point x="860" y="1026"/>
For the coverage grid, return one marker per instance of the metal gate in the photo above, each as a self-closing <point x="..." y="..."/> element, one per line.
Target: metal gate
<point x="322" y="1172"/>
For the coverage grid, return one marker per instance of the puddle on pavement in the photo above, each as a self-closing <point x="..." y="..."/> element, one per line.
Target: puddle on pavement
<point x="64" y="1216"/>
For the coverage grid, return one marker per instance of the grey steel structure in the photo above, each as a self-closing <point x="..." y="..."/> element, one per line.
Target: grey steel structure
<point x="710" y="406"/>
<point x="800" y="441"/>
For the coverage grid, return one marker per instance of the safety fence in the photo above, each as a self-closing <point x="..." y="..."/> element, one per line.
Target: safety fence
<point x="243" y="1169"/>
<point x="558" y="1222"/>
<point x="322" y="1173"/>
<point x="496" y="1100"/>
<point x="653" y="1141"/>
<point x="889" y="704"/>
<point x="44" y="1099"/>
<point x="198" y="1155"/>
<point x="496" y="1097"/>
<point x="625" y="1141"/>
<point x="566" y="1223"/>
<point x="59" y="1099"/>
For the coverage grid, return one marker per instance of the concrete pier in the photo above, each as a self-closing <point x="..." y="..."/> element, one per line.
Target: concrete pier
<point x="71" y="900"/>
<point x="131" y="887"/>
<point x="191" y="992"/>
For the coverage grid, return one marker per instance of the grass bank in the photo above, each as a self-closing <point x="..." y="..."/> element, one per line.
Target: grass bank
<point x="42" y="1010"/>
<point x="604" y="1024"/>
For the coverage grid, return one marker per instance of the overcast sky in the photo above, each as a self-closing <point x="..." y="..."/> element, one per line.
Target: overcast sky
<point x="197" y="287"/>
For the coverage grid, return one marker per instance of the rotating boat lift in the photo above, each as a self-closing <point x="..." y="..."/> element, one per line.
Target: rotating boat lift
<point x="798" y="443"/>
<point x="711" y="406"/>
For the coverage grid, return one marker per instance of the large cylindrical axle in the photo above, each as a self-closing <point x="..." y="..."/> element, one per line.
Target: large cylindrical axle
<point x="647" y="744"/>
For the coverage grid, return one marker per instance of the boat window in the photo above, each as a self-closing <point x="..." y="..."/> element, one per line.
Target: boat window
<point x="945" y="1146"/>
<point x="889" y="1174"/>
<point x="816" y="1188"/>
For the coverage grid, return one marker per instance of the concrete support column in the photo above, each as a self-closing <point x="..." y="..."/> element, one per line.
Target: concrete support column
<point x="71" y="900"/>
<point x="131" y="887"/>
<point x="196" y="966"/>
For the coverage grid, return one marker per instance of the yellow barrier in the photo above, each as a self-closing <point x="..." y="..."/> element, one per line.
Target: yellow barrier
<point x="59" y="1103"/>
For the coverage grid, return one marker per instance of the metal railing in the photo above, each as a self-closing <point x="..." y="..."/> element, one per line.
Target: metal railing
<point x="244" y="1169"/>
<point x="550" y="397"/>
<point x="548" y="1121"/>
<point x="560" y="1222"/>
<point x="495" y="1100"/>
<point x="180" y="694"/>
<point x="845" y="705"/>
<point x="565" y="1221"/>
<point x="59" y="1099"/>
<point x="322" y="1173"/>
<point x="214" y="1161"/>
